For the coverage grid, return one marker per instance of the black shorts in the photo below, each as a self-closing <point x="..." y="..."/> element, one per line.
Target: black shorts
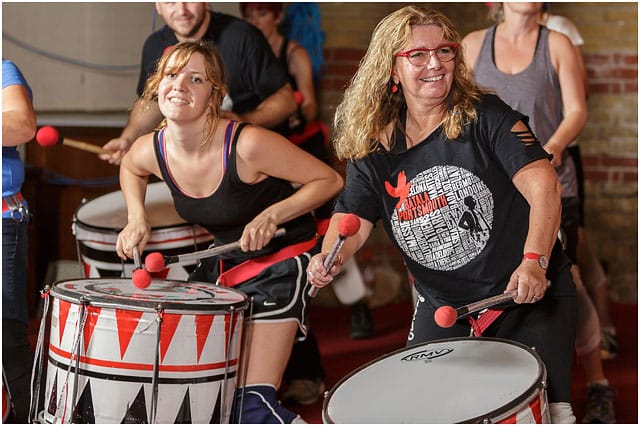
<point x="549" y="326"/>
<point x="280" y="292"/>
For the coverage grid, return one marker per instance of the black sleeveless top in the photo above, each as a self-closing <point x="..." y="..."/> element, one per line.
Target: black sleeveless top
<point x="234" y="203"/>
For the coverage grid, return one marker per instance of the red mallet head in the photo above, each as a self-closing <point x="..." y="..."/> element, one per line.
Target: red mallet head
<point x="47" y="136"/>
<point x="349" y="225"/>
<point x="154" y="262"/>
<point x="445" y="316"/>
<point x="141" y="278"/>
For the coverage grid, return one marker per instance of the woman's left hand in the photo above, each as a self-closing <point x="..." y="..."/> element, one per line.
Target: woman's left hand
<point x="257" y="233"/>
<point x="528" y="281"/>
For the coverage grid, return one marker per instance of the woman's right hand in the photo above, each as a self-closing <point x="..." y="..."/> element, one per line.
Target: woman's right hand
<point x="317" y="274"/>
<point x="135" y="234"/>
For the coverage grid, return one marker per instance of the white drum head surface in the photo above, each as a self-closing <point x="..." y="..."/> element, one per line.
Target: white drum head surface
<point x="177" y="296"/>
<point x="446" y="381"/>
<point x="109" y="211"/>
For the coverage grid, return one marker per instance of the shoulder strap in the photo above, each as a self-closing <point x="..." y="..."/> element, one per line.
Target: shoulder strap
<point x="230" y="143"/>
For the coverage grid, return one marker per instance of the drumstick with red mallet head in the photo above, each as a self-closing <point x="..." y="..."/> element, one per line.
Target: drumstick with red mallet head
<point x="49" y="136"/>
<point x="348" y="226"/>
<point x="156" y="261"/>
<point x="140" y="278"/>
<point x="446" y="316"/>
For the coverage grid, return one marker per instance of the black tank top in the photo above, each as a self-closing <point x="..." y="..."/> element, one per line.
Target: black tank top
<point x="234" y="203"/>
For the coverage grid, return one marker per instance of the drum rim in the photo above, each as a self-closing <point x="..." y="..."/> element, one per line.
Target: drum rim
<point x="494" y="415"/>
<point x="116" y="231"/>
<point x="151" y="306"/>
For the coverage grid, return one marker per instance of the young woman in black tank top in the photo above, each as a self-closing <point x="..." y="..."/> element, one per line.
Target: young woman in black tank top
<point x="213" y="166"/>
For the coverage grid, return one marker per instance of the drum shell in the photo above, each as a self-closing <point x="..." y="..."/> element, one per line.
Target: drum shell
<point x="199" y="352"/>
<point x="444" y="381"/>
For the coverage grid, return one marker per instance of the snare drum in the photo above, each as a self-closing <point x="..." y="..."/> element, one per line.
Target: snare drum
<point x="166" y="354"/>
<point x="96" y="225"/>
<point x="465" y="380"/>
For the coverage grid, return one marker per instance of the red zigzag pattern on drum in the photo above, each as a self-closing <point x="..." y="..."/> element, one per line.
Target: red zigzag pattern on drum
<point x="92" y="318"/>
<point x="127" y="322"/>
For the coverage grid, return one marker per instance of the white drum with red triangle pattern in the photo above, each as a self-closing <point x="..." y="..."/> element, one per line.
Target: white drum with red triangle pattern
<point x="111" y="329"/>
<point x="463" y="380"/>
<point x="96" y="225"/>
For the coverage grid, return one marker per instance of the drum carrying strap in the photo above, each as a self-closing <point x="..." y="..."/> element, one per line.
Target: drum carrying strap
<point x="310" y="130"/>
<point x="486" y="318"/>
<point x="252" y="267"/>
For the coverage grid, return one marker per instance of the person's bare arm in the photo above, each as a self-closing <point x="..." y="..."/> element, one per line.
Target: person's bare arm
<point x="138" y="163"/>
<point x="539" y="185"/>
<point x="301" y="70"/>
<point x="566" y="62"/>
<point x="18" y="116"/>
<point x="142" y="120"/>
<point x="262" y="153"/>
<point x="270" y="112"/>
<point x="471" y="45"/>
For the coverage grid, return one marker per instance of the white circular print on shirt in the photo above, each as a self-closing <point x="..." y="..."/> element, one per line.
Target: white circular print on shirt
<point x="443" y="218"/>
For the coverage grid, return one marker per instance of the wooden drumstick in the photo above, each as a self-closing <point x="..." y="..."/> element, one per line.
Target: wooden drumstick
<point x="156" y="262"/>
<point x="49" y="136"/>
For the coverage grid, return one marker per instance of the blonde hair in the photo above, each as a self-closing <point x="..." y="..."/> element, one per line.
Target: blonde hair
<point x="369" y="105"/>
<point x="214" y="74"/>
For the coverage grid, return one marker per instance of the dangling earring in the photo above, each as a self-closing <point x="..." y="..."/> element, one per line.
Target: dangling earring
<point x="394" y="88"/>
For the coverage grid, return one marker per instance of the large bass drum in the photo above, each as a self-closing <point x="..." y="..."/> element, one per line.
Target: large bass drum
<point x="117" y="354"/>
<point x="466" y="380"/>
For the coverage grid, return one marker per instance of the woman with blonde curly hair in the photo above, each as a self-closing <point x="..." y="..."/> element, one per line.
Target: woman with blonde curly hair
<point x="463" y="189"/>
<point x="371" y="103"/>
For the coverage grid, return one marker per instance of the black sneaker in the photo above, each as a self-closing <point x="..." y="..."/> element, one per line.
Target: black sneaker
<point x="361" y="327"/>
<point x="599" y="405"/>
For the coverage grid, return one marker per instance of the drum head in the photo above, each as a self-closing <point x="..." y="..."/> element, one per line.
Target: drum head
<point x="445" y="381"/>
<point x="109" y="211"/>
<point x="171" y="296"/>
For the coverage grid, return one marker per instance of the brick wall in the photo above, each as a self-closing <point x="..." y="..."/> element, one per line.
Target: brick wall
<point x="609" y="142"/>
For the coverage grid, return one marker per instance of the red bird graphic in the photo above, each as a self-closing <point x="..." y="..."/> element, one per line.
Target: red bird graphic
<point x="401" y="191"/>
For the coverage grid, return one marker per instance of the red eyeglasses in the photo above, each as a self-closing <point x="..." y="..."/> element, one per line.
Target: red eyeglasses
<point x="420" y="57"/>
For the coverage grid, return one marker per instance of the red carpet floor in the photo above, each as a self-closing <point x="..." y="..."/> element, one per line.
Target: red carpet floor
<point x="341" y="355"/>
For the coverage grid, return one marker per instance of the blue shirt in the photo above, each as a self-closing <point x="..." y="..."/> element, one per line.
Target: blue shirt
<point x="12" y="167"/>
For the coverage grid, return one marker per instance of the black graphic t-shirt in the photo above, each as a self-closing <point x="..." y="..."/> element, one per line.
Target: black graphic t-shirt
<point x="450" y="205"/>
